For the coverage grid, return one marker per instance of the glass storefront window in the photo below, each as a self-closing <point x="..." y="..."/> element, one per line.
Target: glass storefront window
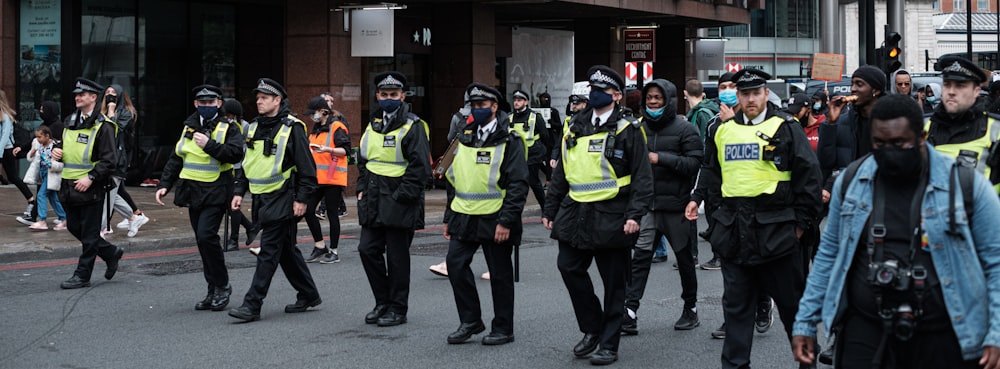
<point x="40" y="61"/>
<point x="107" y="40"/>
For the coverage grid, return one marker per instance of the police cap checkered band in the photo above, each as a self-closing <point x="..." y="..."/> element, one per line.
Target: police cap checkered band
<point x="960" y="69"/>
<point x="207" y="92"/>
<point x="518" y="94"/>
<point x="270" y="87"/>
<point x="390" y="82"/>
<point x="750" y="78"/>
<point x="478" y="92"/>
<point x="599" y="78"/>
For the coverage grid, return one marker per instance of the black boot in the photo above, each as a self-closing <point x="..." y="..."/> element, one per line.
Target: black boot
<point x="207" y="302"/>
<point x="220" y="298"/>
<point x="232" y="245"/>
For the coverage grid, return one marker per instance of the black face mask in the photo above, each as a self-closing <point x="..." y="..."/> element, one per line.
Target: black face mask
<point x="897" y="164"/>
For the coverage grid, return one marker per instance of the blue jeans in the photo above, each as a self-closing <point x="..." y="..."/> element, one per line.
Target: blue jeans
<point x="52" y="197"/>
<point x="661" y="247"/>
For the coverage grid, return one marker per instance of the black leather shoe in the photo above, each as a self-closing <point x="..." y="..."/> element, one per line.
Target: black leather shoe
<point x="220" y="298"/>
<point x="586" y="345"/>
<point x="630" y="326"/>
<point x="207" y="302"/>
<point x="603" y="357"/>
<point x="74" y="282"/>
<point x="245" y="313"/>
<point x="301" y="305"/>
<point x="391" y="318"/>
<point x="377" y="312"/>
<point x="113" y="263"/>
<point x="252" y="234"/>
<point x="688" y="320"/>
<point x="495" y="338"/>
<point x="465" y="331"/>
<point x="233" y="245"/>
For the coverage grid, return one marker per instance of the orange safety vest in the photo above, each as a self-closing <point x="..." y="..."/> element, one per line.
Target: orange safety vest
<point x="330" y="169"/>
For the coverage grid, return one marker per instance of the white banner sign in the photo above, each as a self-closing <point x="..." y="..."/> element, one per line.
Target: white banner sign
<point x="372" y="32"/>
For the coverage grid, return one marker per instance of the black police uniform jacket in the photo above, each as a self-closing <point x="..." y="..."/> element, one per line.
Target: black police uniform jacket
<point x="968" y="126"/>
<point x="197" y="194"/>
<point x="679" y="151"/>
<point x="754" y="230"/>
<point x="397" y="202"/>
<point x="513" y="178"/>
<point x="276" y="207"/>
<point x="537" y="153"/>
<point x="600" y="225"/>
<point x="106" y="154"/>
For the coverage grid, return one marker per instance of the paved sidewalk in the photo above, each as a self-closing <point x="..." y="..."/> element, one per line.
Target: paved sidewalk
<point x="168" y="227"/>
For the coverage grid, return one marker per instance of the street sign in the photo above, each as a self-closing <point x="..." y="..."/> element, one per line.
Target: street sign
<point x="733" y="67"/>
<point x="709" y="54"/>
<point x="827" y="67"/>
<point x="632" y="72"/>
<point x="640" y="45"/>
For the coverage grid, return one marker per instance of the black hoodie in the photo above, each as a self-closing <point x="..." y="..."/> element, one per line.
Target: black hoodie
<point x="50" y="118"/>
<point x="679" y="151"/>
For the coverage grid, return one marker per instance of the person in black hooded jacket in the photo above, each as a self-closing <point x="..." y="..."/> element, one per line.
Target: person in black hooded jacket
<point x="675" y="152"/>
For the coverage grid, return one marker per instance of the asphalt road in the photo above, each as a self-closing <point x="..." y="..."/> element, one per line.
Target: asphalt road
<point x="144" y="318"/>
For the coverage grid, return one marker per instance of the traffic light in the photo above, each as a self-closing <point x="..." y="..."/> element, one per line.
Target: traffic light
<point x="892" y="52"/>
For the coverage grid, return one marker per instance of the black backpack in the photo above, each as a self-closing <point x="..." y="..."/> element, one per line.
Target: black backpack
<point x="22" y="138"/>
<point x="966" y="180"/>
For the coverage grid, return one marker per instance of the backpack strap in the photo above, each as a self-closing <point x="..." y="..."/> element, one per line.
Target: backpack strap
<point x="848" y="173"/>
<point x="966" y="180"/>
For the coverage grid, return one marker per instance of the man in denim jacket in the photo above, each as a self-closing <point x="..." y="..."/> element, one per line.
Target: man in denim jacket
<point x="942" y="308"/>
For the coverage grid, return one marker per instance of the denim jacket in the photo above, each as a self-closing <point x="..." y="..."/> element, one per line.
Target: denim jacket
<point x="969" y="268"/>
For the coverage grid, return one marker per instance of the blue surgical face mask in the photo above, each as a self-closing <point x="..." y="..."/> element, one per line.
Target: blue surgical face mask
<point x="390" y="105"/>
<point x="654" y="113"/>
<point x="728" y="97"/>
<point x="208" y="112"/>
<point x="481" y="116"/>
<point x="932" y="99"/>
<point x="817" y="106"/>
<point x="600" y="99"/>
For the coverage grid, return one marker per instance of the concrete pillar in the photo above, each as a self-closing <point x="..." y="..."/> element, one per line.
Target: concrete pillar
<point x="830" y="26"/>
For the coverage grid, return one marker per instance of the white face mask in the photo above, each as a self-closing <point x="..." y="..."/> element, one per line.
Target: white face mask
<point x="317" y="117"/>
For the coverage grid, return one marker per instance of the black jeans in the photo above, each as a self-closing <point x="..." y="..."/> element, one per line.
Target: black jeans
<point x="463" y="283"/>
<point x="860" y="337"/>
<point x="330" y="194"/>
<point x="677" y="229"/>
<point x="13" y="174"/>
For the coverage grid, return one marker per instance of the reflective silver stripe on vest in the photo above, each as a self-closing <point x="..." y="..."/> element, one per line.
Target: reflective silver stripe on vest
<point x="606" y="181"/>
<point x="399" y="146"/>
<point x="492" y="185"/>
<point x="213" y="164"/>
<point x="202" y="167"/>
<point x="86" y="152"/>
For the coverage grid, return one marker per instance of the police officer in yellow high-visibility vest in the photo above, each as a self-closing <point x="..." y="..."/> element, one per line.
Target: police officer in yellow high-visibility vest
<point x="488" y="183"/>
<point x="601" y="188"/>
<point x="201" y="169"/>
<point x="279" y="171"/>
<point x="762" y="165"/>
<point x="530" y="126"/>
<point x="393" y="168"/>
<point x="88" y="154"/>
<point x="960" y="126"/>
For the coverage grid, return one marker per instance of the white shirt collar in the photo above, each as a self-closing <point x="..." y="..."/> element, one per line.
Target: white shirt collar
<point x="757" y="120"/>
<point x="489" y="127"/>
<point x="604" y="117"/>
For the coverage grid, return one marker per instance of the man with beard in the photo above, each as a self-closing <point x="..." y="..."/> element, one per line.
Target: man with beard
<point x="960" y="127"/>
<point x="393" y="168"/>
<point x="675" y="152"/>
<point x="601" y="188"/>
<point x="278" y="170"/>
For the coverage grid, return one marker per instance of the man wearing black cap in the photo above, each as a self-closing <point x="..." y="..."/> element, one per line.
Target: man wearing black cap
<point x="675" y="152"/>
<point x="554" y="125"/>
<point x="530" y="126"/>
<point x="605" y="173"/>
<point x="960" y="127"/>
<point x="769" y="181"/>
<point x="278" y="170"/>
<point x="488" y="184"/>
<point x="88" y="153"/>
<point x="394" y="165"/>
<point x="202" y="169"/>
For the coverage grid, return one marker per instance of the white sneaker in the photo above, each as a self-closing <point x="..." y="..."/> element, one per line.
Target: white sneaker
<point x="123" y="224"/>
<point x="440" y="269"/>
<point x="105" y="232"/>
<point x="133" y="226"/>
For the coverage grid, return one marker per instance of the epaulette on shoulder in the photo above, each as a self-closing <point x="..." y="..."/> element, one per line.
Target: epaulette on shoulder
<point x="632" y="120"/>
<point x="993" y="115"/>
<point x="290" y="120"/>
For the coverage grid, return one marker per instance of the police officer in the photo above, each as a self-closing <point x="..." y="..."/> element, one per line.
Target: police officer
<point x="675" y="152"/>
<point x="488" y="186"/>
<point x="605" y="172"/>
<point x="88" y="153"/>
<point x="531" y="127"/>
<point x="960" y="126"/>
<point x="202" y="170"/>
<point x="279" y="171"/>
<point x="393" y="168"/>
<point x="577" y="103"/>
<point x="761" y="164"/>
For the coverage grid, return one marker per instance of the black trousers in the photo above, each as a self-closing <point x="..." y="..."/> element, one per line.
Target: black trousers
<point x="535" y="183"/>
<point x="205" y="221"/>
<point x="463" y="283"/>
<point x="237" y="219"/>
<point x="329" y="193"/>
<point x="385" y="255"/>
<point x="678" y="232"/>
<point x="613" y="265"/>
<point x="277" y="247"/>
<point x="10" y="167"/>
<point x="859" y="340"/>
<point x="84" y="223"/>
<point x="782" y="279"/>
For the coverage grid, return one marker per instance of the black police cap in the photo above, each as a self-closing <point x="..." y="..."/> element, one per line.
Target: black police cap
<point x="520" y="94"/>
<point x="315" y="104"/>
<point x="602" y="76"/>
<point x="270" y="87"/>
<point x="207" y="92"/>
<point x="956" y="68"/>
<point x="576" y="99"/>
<point x="389" y="80"/>
<point x="479" y="92"/>
<point x="750" y="78"/>
<point x="86" y="85"/>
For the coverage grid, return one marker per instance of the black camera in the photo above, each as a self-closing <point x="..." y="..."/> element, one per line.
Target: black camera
<point x="889" y="274"/>
<point x="906" y="322"/>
